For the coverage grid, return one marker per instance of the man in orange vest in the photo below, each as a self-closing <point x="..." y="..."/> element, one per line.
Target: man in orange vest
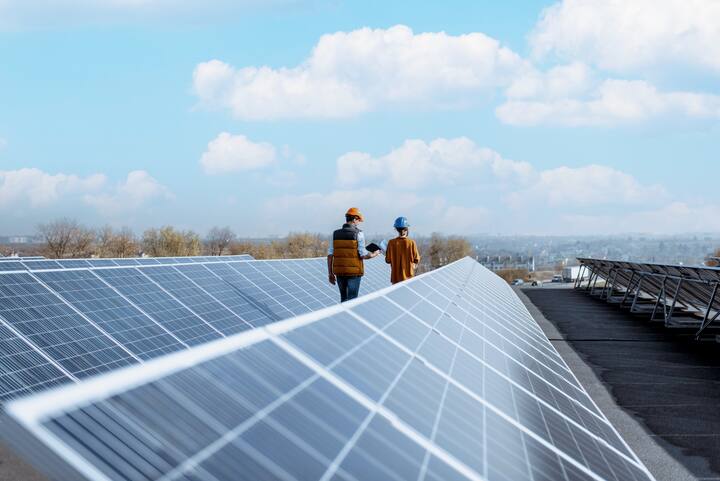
<point x="402" y="253"/>
<point x="345" y="256"/>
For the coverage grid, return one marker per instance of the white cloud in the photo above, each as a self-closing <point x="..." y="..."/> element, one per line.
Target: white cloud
<point x="323" y="212"/>
<point x="137" y="190"/>
<point x="236" y="153"/>
<point x="629" y="35"/>
<point x="613" y="102"/>
<point x="589" y="185"/>
<point x="362" y="70"/>
<point x="417" y="163"/>
<point x="37" y="188"/>
<point x="671" y="218"/>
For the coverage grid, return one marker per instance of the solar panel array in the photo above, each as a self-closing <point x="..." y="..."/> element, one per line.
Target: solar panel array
<point x="40" y="263"/>
<point x="443" y="377"/>
<point x="61" y="323"/>
<point x="663" y="288"/>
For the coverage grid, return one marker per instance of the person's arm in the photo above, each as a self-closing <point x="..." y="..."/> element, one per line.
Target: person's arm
<point x="415" y="256"/>
<point x="388" y="254"/>
<point x="362" y="251"/>
<point x="331" y="276"/>
<point x="331" y="252"/>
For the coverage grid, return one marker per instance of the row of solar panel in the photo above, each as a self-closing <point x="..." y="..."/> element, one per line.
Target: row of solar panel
<point x="20" y="258"/>
<point x="444" y="377"/>
<point x="62" y="325"/>
<point x="43" y="264"/>
<point x="694" y="289"/>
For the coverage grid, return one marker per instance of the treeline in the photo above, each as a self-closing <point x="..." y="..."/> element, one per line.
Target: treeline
<point x="66" y="238"/>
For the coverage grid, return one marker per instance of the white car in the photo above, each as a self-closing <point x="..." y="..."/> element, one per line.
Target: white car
<point x="518" y="282"/>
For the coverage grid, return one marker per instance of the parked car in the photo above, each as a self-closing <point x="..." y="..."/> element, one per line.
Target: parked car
<point x="557" y="278"/>
<point x="518" y="282"/>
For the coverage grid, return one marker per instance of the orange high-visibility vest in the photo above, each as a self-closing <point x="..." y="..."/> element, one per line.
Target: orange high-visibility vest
<point x="346" y="259"/>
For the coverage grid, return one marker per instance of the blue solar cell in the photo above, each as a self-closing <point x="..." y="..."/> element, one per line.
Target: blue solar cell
<point x="264" y="301"/>
<point x="197" y="299"/>
<point x="63" y="334"/>
<point x="115" y="315"/>
<point x="73" y="263"/>
<point x="238" y="302"/>
<point x="102" y="262"/>
<point x="41" y="264"/>
<point x="23" y="369"/>
<point x="126" y="262"/>
<point x="160" y="305"/>
<point x="11" y="266"/>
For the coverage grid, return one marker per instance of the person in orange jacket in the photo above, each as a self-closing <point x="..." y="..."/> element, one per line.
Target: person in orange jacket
<point x="346" y="253"/>
<point x="402" y="253"/>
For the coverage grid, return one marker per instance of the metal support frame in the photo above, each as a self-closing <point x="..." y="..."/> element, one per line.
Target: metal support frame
<point x="707" y="320"/>
<point x="637" y="292"/>
<point x="661" y="297"/>
<point x="592" y="291"/>
<point x="669" y="316"/>
<point x="609" y="284"/>
<point x="578" y="281"/>
<point x="628" y="289"/>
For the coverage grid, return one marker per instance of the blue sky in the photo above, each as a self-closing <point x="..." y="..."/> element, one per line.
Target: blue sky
<point x="467" y="117"/>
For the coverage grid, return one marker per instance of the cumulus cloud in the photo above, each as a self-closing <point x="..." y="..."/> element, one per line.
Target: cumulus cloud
<point x="323" y="212"/>
<point x="629" y="35"/>
<point x="612" y="102"/>
<point x="362" y="70"/>
<point x="138" y="189"/>
<point x="669" y="218"/>
<point x="417" y="163"/>
<point x="589" y="185"/>
<point x="38" y="188"/>
<point x="236" y="153"/>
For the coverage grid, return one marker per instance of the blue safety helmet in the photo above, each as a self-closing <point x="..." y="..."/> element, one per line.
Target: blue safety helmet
<point x="401" y="223"/>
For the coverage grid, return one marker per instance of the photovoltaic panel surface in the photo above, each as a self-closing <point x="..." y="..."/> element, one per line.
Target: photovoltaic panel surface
<point x="88" y="320"/>
<point x="405" y="383"/>
<point x="40" y="263"/>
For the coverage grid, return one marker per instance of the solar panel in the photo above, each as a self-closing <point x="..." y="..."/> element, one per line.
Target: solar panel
<point x="90" y="320"/>
<point x="187" y="326"/>
<point x="48" y="323"/>
<point x="11" y="266"/>
<point x="111" y="312"/>
<point x="657" y="289"/>
<point x="405" y="383"/>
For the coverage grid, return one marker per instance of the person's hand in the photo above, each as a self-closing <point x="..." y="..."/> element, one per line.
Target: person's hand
<point x="331" y="278"/>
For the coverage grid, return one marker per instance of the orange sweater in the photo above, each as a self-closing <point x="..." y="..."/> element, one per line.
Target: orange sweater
<point x="402" y="255"/>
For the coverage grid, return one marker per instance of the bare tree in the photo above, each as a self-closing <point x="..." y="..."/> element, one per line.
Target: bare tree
<point x="219" y="239"/>
<point x="301" y="245"/>
<point x="456" y="248"/>
<point x="121" y="243"/>
<point x="83" y="243"/>
<point x="66" y="238"/>
<point x="294" y="246"/>
<point x="166" y="241"/>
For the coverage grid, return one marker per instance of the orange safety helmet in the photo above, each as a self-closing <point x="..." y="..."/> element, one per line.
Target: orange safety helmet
<point x="356" y="212"/>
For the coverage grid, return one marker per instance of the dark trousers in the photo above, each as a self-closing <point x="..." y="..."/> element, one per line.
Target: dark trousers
<point x="349" y="287"/>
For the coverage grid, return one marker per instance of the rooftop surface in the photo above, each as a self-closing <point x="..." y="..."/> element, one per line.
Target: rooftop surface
<point x="660" y="388"/>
